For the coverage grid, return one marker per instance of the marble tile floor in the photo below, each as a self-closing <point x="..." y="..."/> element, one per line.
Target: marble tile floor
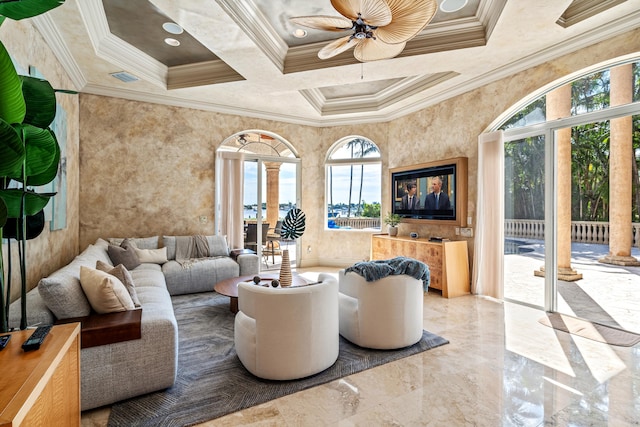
<point x="607" y="294"/>
<point x="501" y="368"/>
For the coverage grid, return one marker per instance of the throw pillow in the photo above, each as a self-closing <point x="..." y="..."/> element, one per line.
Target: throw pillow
<point x="154" y="256"/>
<point x="218" y="245"/>
<point x="121" y="272"/>
<point x="105" y="292"/>
<point x="124" y="254"/>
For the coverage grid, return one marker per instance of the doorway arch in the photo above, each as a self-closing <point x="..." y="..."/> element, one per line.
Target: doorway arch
<point x="555" y="138"/>
<point x="269" y="183"/>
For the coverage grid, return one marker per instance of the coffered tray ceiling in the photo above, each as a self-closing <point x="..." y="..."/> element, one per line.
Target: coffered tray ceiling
<point x="241" y="57"/>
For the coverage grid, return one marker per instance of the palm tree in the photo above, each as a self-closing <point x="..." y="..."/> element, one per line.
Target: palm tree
<point x="331" y="188"/>
<point x="364" y="147"/>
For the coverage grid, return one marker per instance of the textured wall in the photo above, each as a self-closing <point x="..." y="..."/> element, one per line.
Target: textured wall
<point x="50" y="250"/>
<point x="148" y="169"/>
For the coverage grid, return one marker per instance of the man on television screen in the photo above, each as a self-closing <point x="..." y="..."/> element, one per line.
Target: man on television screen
<point x="436" y="200"/>
<point x="410" y="201"/>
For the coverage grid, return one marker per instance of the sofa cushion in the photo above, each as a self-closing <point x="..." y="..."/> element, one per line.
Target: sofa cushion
<point x="138" y="242"/>
<point x="200" y="276"/>
<point x="121" y="272"/>
<point x="124" y="254"/>
<point x="105" y="292"/>
<point x="153" y="256"/>
<point x="217" y="245"/>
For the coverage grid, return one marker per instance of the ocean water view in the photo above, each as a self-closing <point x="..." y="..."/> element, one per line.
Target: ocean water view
<point x="253" y="213"/>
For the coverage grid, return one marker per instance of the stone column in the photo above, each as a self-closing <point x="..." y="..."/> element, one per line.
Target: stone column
<point x="559" y="106"/>
<point x="620" y="172"/>
<point x="273" y="192"/>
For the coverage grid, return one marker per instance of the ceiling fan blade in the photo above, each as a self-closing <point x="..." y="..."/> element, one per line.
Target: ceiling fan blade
<point x="322" y="22"/>
<point x="374" y="50"/>
<point x="336" y="47"/>
<point x="409" y="18"/>
<point x="373" y="12"/>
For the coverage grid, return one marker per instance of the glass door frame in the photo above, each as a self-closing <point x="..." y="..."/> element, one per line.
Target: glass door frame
<point x="549" y="130"/>
<point x="260" y="160"/>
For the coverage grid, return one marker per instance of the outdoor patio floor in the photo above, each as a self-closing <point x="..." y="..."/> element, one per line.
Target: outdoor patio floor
<point x="607" y="294"/>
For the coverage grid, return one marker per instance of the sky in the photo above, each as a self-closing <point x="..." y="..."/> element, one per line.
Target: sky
<point x="370" y="191"/>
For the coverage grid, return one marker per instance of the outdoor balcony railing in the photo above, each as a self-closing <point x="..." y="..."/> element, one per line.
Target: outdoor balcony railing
<point x="581" y="231"/>
<point x="358" y="223"/>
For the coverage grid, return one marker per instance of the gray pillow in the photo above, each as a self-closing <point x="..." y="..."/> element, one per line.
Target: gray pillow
<point x="124" y="254"/>
<point x="63" y="294"/>
<point x="218" y="245"/>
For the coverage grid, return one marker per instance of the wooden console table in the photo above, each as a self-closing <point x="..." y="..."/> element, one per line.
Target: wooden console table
<point x="41" y="387"/>
<point x="448" y="261"/>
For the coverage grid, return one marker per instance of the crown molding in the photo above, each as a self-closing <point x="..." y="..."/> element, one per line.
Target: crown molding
<point x="385" y="98"/>
<point x="580" y="10"/>
<point x="201" y="74"/>
<point x="350" y="119"/>
<point x="49" y="31"/>
<point x="488" y="13"/>
<point x="249" y="18"/>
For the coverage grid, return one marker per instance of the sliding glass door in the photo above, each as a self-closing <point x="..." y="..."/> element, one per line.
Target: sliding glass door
<point x="270" y="191"/>
<point x="524" y="214"/>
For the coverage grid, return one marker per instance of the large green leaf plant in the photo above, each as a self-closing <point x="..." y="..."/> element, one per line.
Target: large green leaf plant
<point x="29" y="151"/>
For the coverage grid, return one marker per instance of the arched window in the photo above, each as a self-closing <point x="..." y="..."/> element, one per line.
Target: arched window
<point x="589" y="93"/>
<point x="353" y="191"/>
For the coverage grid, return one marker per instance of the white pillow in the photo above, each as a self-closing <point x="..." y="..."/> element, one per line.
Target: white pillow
<point x="154" y="256"/>
<point x="105" y="292"/>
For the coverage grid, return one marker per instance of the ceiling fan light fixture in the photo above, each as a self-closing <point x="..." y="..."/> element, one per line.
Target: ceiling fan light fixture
<point x="172" y="28"/>
<point x="380" y="28"/>
<point x="449" y="6"/>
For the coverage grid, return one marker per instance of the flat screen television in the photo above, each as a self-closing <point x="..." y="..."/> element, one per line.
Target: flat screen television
<point x="433" y="192"/>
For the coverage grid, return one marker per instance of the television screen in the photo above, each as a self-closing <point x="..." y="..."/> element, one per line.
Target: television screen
<point x="427" y="192"/>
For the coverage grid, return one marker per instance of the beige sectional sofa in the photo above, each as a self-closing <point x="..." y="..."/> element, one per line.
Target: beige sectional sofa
<point x="122" y="369"/>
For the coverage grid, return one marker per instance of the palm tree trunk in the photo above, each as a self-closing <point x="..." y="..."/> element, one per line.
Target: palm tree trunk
<point x="350" y="191"/>
<point x="350" y="186"/>
<point x="331" y="189"/>
<point x="360" y="193"/>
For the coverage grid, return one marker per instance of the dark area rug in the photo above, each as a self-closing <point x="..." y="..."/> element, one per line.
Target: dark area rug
<point x="211" y="380"/>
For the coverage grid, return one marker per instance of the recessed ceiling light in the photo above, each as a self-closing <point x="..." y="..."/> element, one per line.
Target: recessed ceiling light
<point x="172" y="42"/>
<point x="300" y="33"/>
<point x="449" y="6"/>
<point x="172" y="28"/>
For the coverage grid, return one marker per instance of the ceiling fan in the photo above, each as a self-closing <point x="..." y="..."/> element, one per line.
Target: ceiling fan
<point x="381" y="28"/>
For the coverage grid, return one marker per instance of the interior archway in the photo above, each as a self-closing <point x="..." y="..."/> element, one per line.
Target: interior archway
<point x="269" y="189"/>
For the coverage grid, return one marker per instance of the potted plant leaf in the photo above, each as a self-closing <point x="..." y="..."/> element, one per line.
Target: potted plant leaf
<point x="29" y="151"/>
<point x="392" y="220"/>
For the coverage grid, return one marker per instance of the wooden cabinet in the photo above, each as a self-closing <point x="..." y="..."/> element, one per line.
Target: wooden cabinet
<point x="448" y="261"/>
<point x="41" y="387"/>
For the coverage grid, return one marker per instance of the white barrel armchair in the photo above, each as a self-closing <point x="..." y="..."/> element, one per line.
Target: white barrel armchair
<point x="287" y="333"/>
<point x="383" y="314"/>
